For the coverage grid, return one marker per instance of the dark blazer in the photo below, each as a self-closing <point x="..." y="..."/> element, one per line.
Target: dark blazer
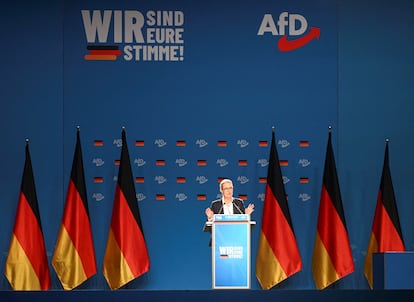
<point x="217" y="206"/>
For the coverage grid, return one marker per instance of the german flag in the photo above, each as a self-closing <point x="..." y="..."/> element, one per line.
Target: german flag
<point x="74" y="257"/>
<point x="180" y="143"/>
<point x="278" y="254"/>
<point x="126" y="256"/>
<point x="332" y="257"/>
<point x="386" y="235"/>
<point x="27" y="265"/>
<point x="102" y="53"/>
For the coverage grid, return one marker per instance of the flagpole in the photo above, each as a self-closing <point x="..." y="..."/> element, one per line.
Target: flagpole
<point x="334" y="284"/>
<point x="125" y="286"/>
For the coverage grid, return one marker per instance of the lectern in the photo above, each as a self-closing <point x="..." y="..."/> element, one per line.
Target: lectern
<point x="393" y="270"/>
<point x="230" y="250"/>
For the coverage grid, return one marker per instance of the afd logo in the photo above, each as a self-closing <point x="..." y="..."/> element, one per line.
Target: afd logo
<point x="292" y="26"/>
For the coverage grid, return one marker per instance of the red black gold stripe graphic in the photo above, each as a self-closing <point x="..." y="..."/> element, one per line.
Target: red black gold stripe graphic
<point x="98" y="180"/>
<point x="201" y="162"/>
<point x="284" y="163"/>
<point x="160" y="162"/>
<point x="242" y="163"/>
<point x="181" y="180"/>
<point x="160" y="197"/>
<point x="139" y="179"/>
<point x="102" y="53"/>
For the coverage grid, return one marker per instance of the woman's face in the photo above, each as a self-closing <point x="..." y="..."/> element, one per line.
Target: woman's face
<point x="227" y="189"/>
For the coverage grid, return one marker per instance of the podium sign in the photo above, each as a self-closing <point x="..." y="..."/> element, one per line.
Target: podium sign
<point x="231" y="251"/>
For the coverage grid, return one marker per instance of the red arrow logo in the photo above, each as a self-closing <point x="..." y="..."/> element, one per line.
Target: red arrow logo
<point x="288" y="45"/>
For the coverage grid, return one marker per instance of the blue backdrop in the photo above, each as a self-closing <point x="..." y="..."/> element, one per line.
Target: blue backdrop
<point x="199" y="105"/>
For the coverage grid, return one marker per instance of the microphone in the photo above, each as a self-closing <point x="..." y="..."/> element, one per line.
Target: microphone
<point x="221" y="209"/>
<point x="240" y="211"/>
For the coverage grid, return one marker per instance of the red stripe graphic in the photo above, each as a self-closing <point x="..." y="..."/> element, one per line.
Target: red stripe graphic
<point x="181" y="180"/>
<point x="106" y="52"/>
<point x="288" y="45"/>
<point x="284" y="163"/>
<point x="160" y="197"/>
<point x="160" y="162"/>
<point x="98" y="179"/>
<point x="242" y="163"/>
<point x="139" y="179"/>
<point x="180" y="143"/>
<point x="201" y="163"/>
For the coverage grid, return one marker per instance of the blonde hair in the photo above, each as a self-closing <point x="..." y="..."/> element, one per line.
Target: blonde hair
<point x="223" y="182"/>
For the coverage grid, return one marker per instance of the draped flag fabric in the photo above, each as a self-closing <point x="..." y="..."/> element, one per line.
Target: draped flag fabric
<point x="278" y="254"/>
<point x="74" y="256"/>
<point x="332" y="256"/>
<point x="386" y="235"/>
<point x="126" y="255"/>
<point x="27" y="265"/>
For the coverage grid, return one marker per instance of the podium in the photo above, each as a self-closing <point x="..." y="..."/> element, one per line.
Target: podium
<point x="230" y="250"/>
<point x="393" y="270"/>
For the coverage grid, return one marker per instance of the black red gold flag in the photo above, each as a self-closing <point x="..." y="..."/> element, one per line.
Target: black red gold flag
<point x="126" y="256"/>
<point x="278" y="254"/>
<point x="332" y="257"/>
<point x="27" y="265"/>
<point x="74" y="255"/>
<point x="386" y="234"/>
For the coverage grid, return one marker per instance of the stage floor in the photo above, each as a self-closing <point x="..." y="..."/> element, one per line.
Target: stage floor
<point x="209" y="296"/>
